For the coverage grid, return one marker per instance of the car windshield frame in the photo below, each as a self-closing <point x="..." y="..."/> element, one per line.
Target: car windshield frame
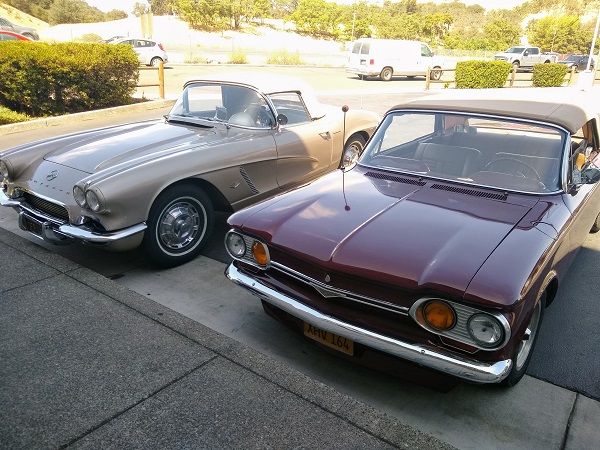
<point x="473" y="149"/>
<point x="223" y="102"/>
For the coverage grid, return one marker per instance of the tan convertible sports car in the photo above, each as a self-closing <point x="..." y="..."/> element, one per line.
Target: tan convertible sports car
<point x="228" y="142"/>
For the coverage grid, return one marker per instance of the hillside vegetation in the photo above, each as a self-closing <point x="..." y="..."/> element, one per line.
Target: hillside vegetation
<point x="17" y="16"/>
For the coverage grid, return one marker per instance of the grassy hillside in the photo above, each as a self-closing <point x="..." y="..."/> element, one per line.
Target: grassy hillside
<point x="16" y="16"/>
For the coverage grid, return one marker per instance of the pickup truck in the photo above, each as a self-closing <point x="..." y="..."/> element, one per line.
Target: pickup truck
<point x="525" y="57"/>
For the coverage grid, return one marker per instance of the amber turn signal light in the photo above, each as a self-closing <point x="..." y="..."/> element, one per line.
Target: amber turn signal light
<point x="439" y="315"/>
<point x="260" y="253"/>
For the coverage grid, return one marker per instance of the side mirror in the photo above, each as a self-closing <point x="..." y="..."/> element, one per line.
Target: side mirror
<point x="282" y="119"/>
<point x="590" y="175"/>
<point x="350" y="157"/>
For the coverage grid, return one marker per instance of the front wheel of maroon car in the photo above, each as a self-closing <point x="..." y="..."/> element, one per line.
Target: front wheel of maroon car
<point x="179" y="224"/>
<point x="524" y="350"/>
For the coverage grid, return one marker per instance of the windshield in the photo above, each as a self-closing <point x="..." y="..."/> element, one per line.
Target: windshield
<point x="572" y="58"/>
<point x="215" y="102"/>
<point x="515" y="50"/>
<point x="486" y="151"/>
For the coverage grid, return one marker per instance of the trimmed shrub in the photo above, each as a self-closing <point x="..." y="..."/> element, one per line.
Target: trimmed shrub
<point x="44" y="79"/>
<point x="7" y="116"/>
<point x="283" y="58"/>
<point x="549" y="75"/>
<point x="238" y="57"/>
<point x="477" y="74"/>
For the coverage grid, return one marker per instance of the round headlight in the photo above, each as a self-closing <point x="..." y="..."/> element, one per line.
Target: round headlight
<point x="485" y="330"/>
<point x="260" y="253"/>
<point x="79" y="196"/>
<point x="92" y="201"/>
<point x="235" y="244"/>
<point x="439" y="315"/>
<point x="3" y="170"/>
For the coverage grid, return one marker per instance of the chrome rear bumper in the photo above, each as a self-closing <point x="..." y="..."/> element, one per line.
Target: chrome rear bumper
<point x="434" y="358"/>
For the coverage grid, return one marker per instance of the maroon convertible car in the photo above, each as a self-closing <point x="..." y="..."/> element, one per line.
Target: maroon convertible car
<point x="446" y="240"/>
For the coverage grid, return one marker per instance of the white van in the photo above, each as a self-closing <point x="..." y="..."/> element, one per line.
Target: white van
<point x="386" y="58"/>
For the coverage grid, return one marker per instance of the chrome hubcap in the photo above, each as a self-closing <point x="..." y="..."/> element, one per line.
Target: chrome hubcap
<point x="179" y="225"/>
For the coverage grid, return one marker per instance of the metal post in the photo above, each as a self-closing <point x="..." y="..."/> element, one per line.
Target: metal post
<point x="161" y="80"/>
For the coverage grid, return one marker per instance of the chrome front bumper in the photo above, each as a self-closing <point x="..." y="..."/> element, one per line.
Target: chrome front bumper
<point x="56" y="232"/>
<point x="434" y="358"/>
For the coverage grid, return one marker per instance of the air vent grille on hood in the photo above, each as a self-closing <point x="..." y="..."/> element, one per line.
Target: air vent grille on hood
<point x="473" y="192"/>
<point x="385" y="176"/>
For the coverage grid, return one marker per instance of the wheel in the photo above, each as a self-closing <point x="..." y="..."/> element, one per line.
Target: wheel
<point x="179" y="224"/>
<point x="386" y="74"/>
<point x="155" y="61"/>
<point x="29" y="35"/>
<point x="511" y="167"/>
<point x="352" y="150"/>
<point x="436" y="73"/>
<point x="522" y="355"/>
<point x="596" y="226"/>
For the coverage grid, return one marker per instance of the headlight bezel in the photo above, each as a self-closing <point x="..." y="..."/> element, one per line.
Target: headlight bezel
<point x="460" y="330"/>
<point x="4" y="170"/>
<point x="248" y="256"/>
<point x="89" y="199"/>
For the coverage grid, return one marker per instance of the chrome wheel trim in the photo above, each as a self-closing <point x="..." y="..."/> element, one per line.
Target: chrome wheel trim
<point x="182" y="223"/>
<point x="526" y="344"/>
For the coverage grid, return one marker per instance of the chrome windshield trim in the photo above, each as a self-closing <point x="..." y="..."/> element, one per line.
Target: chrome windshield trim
<point x="428" y="356"/>
<point x="328" y="291"/>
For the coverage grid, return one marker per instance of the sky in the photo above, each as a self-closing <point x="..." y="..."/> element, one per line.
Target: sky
<point x="127" y="5"/>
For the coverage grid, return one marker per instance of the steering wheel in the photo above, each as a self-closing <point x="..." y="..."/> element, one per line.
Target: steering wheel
<point x="511" y="166"/>
<point x="260" y="115"/>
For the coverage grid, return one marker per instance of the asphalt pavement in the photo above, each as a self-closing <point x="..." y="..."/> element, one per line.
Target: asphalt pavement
<point x="89" y="363"/>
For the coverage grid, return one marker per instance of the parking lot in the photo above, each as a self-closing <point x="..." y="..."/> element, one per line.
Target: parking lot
<point x="532" y="415"/>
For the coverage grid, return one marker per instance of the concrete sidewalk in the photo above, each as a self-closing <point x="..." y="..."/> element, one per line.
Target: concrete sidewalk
<point x="89" y="364"/>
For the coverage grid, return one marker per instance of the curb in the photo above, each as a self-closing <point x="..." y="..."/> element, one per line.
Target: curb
<point x="88" y="115"/>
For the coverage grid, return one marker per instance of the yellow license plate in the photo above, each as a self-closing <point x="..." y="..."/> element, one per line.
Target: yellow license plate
<point x="329" y="339"/>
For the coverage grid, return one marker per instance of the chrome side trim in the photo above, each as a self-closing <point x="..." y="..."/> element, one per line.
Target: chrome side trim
<point x="465" y="368"/>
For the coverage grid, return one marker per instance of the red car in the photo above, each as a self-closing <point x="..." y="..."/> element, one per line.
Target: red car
<point x="10" y="36"/>
<point x="445" y="242"/>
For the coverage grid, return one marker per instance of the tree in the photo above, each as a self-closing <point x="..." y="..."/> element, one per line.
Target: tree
<point x="160" y="7"/>
<point x="559" y="34"/>
<point x="73" y="11"/>
<point x="501" y="34"/>
<point x="116" y="14"/>
<point x="139" y="9"/>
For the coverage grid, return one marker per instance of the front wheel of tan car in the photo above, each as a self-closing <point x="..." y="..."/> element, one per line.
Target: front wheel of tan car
<point x="179" y="224"/>
<point x="524" y="350"/>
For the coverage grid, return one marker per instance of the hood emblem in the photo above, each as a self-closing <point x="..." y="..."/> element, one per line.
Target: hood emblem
<point x="327" y="293"/>
<point x="52" y="175"/>
<point x="327" y="278"/>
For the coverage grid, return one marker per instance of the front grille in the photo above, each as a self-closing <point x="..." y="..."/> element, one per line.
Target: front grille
<point x="47" y="207"/>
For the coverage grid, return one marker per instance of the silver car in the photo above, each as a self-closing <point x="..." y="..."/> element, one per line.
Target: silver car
<point x="149" y="52"/>
<point x="228" y="142"/>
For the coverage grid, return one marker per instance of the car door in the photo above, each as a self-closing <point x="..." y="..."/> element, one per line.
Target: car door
<point x="304" y="146"/>
<point x="531" y="56"/>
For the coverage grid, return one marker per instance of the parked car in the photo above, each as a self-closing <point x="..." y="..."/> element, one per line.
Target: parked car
<point x="150" y="53"/>
<point x="10" y="36"/>
<point x="28" y="32"/>
<point x="579" y="62"/>
<point x="444" y="244"/>
<point x="227" y="142"/>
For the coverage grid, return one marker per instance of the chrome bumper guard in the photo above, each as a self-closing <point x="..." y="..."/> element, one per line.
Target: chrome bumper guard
<point x="464" y="368"/>
<point x="56" y="232"/>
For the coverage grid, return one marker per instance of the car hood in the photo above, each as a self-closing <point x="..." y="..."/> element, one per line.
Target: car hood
<point x="412" y="236"/>
<point x="97" y="150"/>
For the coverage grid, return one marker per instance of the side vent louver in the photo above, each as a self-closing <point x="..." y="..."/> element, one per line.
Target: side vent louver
<point x="246" y="178"/>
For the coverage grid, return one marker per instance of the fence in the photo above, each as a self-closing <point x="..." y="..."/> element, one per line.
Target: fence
<point x="161" y="79"/>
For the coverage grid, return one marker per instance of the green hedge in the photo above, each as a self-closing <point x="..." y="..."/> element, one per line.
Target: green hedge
<point x="41" y="79"/>
<point x="549" y="75"/>
<point x="481" y="74"/>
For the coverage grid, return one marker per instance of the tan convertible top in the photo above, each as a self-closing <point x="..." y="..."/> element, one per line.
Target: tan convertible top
<point x="567" y="107"/>
<point x="270" y="84"/>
